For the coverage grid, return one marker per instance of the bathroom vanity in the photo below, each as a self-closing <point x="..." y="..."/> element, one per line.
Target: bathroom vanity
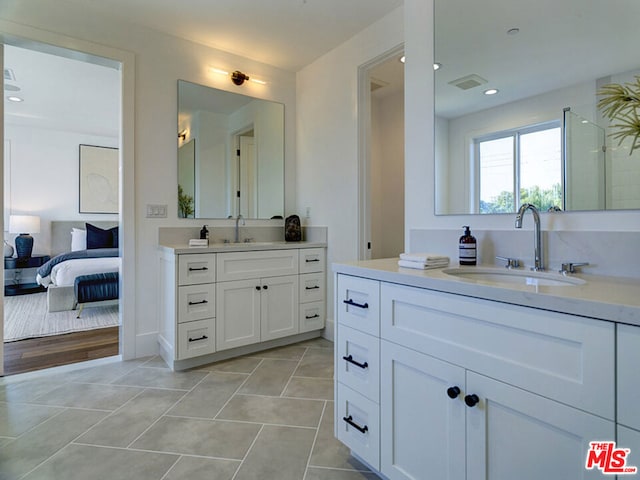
<point x="231" y="299"/>
<point x="445" y="376"/>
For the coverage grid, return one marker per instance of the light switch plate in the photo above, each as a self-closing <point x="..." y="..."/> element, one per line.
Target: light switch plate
<point x="156" y="211"/>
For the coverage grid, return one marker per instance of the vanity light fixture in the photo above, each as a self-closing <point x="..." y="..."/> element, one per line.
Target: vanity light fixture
<point x="13" y="98"/>
<point x="182" y="135"/>
<point x="237" y="77"/>
<point x="491" y="91"/>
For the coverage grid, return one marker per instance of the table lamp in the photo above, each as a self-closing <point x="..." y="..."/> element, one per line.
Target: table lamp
<point x="21" y="224"/>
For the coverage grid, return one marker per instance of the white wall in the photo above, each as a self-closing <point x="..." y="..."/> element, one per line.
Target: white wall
<point x="43" y="176"/>
<point x="160" y="61"/>
<point x="327" y="141"/>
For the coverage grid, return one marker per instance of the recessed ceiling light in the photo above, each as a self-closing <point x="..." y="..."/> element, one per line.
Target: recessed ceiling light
<point x="437" y="66"/>
<point x="13" y="98"/>
<point x="402" y="59"/>
<point x="491" y="91"/>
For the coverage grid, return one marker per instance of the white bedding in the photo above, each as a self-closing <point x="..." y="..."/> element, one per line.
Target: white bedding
<point x="65" y="273"/>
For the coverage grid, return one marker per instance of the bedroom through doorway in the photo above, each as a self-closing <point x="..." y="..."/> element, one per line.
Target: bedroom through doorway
<point x="61" y="173"/>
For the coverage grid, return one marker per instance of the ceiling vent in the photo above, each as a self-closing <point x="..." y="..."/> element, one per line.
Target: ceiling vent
<point x="470" y="81"/>
<point x="9" y="75"/>
<point x="377" y="84"/>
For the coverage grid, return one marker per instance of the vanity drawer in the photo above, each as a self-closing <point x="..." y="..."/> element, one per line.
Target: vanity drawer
<point x="196" y="268"/>
<point x="358" y="362"/>
<point x="260" y="264"/>
<point x="358" y="424"/>
<point x="196" y="302"/>
<point x="312" y="260"/>
<point x="358" y="303"/>
<point x="196" y="338"/>
<point x="312" y="287"/>
<point x="628" y="396"/>
<point x="312" y="316"/>
<point x="563" y="357"/>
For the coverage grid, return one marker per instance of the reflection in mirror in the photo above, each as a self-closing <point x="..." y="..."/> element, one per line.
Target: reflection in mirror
<point x="238" y="159"/>
<point x="541" y="138"/>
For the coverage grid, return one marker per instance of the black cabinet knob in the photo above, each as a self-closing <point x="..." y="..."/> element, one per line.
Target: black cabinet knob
<point x="266" y="287"/>
<point x="471" y="400"/>
<point x="258" y="287"/>
<point x="453" y="392"/>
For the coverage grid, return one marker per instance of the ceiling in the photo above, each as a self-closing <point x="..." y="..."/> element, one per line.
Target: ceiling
<point x="288" y="34"/>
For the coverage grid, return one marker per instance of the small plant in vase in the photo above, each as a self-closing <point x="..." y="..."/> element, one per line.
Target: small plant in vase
<point x="620" y="103"/>
<point x="185" y="203"/>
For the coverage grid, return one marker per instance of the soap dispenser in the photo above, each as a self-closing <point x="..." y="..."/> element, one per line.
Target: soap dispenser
<point x="467" y="248"/>
<point x="204" y="233"/>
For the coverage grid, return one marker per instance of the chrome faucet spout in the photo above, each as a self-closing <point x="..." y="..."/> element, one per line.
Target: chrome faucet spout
<point x="539" y="262"/>
<point x="238" y="219"/>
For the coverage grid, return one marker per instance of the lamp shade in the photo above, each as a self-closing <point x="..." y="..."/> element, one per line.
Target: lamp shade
<point x="24" y="224"/>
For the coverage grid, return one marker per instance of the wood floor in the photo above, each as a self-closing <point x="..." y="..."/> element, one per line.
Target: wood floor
<point x="45" y="352"/>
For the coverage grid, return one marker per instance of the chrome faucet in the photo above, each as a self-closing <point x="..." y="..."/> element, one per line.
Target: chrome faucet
<point x="238" y="218"/>
<point x="539" y="263"/>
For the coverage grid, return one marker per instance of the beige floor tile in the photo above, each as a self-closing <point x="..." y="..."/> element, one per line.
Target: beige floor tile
<point x="25" y="453"/>
<point x="17" y="418"/>
<point x="235" y="365"/>
<point x="303" y="387"/>
<point x="198" y="468"/>
<point x="88" y="395"/>
<point x="270" y="378"/>
<point x="279" y="453"/>
<point x="273" y="410"/>
<point x="209" y="396"/>
<point x="191" y="436"/>
<point x="315" y="473"/>
<point x="316" y="343"/>
<point x="28" y="390"/>
<point x="125" y="425"/>
<point x="317" y="363"/>
<point x="289" y="352"/>
<point x="161" y="378"/>
<point x="100" y="463"/>
<point x="109" y="372"/>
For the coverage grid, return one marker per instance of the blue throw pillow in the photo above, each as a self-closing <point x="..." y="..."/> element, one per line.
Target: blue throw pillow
<point x="100" y="238"/>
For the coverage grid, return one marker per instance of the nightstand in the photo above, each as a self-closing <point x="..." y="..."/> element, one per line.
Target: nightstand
<point x="18" y="264"/>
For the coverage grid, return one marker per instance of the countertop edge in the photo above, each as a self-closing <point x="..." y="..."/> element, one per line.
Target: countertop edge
<point x="587" y="301"/>
<point x="239" y="247"/>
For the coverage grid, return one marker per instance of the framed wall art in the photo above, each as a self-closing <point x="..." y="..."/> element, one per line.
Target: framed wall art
<point x="99" y="179"/>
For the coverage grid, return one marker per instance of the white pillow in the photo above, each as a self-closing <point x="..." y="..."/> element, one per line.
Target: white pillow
<point x="78" y="239"/>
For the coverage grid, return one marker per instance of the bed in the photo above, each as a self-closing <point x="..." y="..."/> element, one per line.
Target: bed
<point x="77" y="249"/>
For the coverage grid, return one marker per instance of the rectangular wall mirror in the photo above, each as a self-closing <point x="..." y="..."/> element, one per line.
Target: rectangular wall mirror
<point x="230" y="154"/>
<point x="516" y="105"/>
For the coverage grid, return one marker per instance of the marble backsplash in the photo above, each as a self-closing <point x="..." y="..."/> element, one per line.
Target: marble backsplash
<point x="608" y="253"/>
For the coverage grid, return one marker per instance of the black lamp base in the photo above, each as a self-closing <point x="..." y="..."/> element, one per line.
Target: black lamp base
<point x="24" y="245"/>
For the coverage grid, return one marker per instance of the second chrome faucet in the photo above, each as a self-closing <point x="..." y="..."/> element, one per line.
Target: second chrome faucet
<point x="538" y="262"/>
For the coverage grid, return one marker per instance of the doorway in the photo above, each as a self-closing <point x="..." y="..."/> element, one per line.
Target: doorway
<point x="72" y="99"/>
<point x="381" y="162"/>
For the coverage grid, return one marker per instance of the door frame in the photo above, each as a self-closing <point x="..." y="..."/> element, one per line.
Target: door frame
<point x="364" y="149"/>
<point x="23" y="35"/>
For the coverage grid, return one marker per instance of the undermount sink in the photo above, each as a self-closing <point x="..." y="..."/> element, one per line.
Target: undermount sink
<point x="488" y="276"/>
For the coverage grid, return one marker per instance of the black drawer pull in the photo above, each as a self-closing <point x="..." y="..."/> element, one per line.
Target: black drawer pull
<point x="354" y="304"/>
<point x="312" y="260"/>
<point x="471" y="400"/>
<point x="357" y="364"/>
<point x="350" y="421"/>
<point x="203" y="337"/>
<point x="258" y="287"/>
<point x="453" y="392"/>
<point x="312" y="316"/>
<point x="312" y="288"/>
<point x="191" y="269"/>
<point x="198" y="303"/>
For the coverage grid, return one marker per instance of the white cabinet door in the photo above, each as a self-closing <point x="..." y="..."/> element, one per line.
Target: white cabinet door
<point x="628" y="376"/>
<point x="628" y="438"/>
<point x="512" y="433"/>
<point x="279" y="307"/>
<point x="422" y="427"/>
<point x="237" y="313"/>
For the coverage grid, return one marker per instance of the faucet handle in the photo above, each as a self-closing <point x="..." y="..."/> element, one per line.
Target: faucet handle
<point x="570" y="267"/>
<point x="511" y="262"/>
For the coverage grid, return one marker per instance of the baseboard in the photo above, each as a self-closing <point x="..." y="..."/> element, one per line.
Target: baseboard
<point x="329" y="330"/>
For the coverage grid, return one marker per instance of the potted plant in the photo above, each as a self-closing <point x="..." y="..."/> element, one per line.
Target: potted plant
<point x="620" y="104"/>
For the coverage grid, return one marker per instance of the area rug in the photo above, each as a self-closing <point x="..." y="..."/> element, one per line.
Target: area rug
<point x="26" y="316"/>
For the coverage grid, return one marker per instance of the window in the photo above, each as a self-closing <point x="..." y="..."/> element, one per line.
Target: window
<point x="518" y="166"/>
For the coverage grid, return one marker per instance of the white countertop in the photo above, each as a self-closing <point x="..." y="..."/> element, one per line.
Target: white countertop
<point x="607" y="298"/>
<point x="239" y="247"/>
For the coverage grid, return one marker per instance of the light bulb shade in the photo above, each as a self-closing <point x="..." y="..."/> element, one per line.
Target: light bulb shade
<point x="24" y="224"/>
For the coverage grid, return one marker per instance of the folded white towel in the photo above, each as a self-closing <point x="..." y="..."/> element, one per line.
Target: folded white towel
<point x="427" y="258"/>
<point x="421" y="265"/>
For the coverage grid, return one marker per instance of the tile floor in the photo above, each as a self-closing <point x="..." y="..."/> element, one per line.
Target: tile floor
<point x="263" y="416"/>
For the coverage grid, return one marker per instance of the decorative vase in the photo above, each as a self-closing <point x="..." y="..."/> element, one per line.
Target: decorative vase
<point x="24" y="245"/>
<point x="8" y="250"/>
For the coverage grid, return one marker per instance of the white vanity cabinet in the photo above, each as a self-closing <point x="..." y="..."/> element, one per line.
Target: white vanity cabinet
<point x="477" y="389"/>
<point x="213" y="303"/>
<point x="628" y="396"/>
